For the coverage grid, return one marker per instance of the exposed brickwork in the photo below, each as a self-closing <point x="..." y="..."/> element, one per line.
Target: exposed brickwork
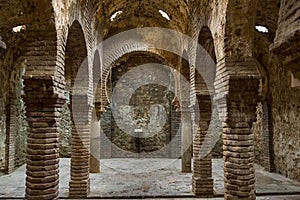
<point x="79" y="185"/>
<point x="226" y="30"/>
<point x="237" y="98"/>
<point x="202" y="157"/>
<point x="238" y="140"/>
<point x="175" y="133"/>
<point x="43" y="115"/>
<point x="95" y="145"/>
<point x="80" y="155"/>
<point x="268" y="137"/>
<point x="44" y="101"/>
<point x="263" y="137"/>
<point x="200" y="96"/>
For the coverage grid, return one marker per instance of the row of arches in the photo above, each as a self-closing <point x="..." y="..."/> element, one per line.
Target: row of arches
<point x="56" y="68"/>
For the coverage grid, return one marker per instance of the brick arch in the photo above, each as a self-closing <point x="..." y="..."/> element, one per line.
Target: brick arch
<point x="123" y="49"/>
<point x="76" y="51"/>
<point x="140" y="39"/>
<point x="206" y="40"/>
<point x="205" y="62"/>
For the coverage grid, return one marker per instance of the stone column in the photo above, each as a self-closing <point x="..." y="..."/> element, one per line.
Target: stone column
<point x="186" y="138"/>
<point x="238" y="112"/>
<point x="202" y="157"/>
<point x="79" y="185"/>
<point x="11" y="130"/>
<point x="43" y="111"/>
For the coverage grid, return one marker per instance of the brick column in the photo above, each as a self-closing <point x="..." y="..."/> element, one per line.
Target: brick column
<point x="202" y="157"/>
<point x="11" y="130"/>
<point x="79" y="185"/>
<point x="44" y="99"/>
<point x="95" y="146"/>
<point x="176" y="137"/>
<point x="238" y="111"/>
<point x="267" y="127"/>
<point x="43" y="111"/>
<point x="186" y="138"/>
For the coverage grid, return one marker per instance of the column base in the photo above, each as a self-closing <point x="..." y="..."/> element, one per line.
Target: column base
<point x="79" y="189"/>
<point x="94" y="164"/>
<point x="203" y="187"/>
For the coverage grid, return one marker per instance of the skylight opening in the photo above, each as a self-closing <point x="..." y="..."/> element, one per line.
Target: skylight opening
<point x="113" y="16"/>
<point x="18" y="29"/>
<point x="164" y="14"/>
<point x="262" y="29"/>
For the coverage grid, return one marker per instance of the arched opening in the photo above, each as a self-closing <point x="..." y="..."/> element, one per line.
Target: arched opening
<point x="127" y="77"/>
<point x="206" y="41"/>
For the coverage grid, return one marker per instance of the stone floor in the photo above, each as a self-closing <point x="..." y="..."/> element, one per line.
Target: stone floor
<point x="160" y="178"/>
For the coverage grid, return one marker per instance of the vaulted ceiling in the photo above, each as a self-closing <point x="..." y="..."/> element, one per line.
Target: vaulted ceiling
<point x="172" y="14"/>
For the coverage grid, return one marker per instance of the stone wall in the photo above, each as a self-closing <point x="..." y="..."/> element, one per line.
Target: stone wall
<point x="216" y="132"/>
<point x="282" y="116"/>
<point x="278" y="113"/>
<point x="22" y="125"/>
<point x="286" y="122"/>
<point x="148" y="104"/>
<point x="258" y="136"/>
<point x="18" y="141"/>
<point x="288" y="23"/>
<point x="65" y="132"/>
<point x="13" y="126"/>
